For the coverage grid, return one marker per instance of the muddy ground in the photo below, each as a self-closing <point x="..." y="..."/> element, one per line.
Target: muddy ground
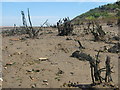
<point x="27" y="70"/>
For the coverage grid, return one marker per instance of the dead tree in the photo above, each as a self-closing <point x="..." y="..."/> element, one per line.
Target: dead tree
<point x="92" y="65"/>
<point x="108" y="77"/>
<point x="25" y="24"/>
<point x="97" y="32"/>
<point x="65" y="28"/>
<point x="14" y="30"/>
<point x="96" y="70"/>
<point x="34" y="32"/>
<point x="29" y="30"/>
<point x="88" y="28"/>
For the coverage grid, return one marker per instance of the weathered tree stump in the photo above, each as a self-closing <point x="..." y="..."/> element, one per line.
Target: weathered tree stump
<point x="66" y="28"/>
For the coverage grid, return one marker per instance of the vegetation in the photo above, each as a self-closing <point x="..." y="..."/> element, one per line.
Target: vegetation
<point x="105" y="11"/>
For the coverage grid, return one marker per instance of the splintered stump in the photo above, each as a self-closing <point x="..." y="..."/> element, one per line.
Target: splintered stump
<point x="108" y="77"/>
<point x="97" y="79"/>
<point x="66" y="28"/>
<point x="97" y="32"/>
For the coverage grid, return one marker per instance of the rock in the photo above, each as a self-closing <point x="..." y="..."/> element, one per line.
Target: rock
<point x="59" y="72"/>
<point x="64" y="84"/>
<point x="45" y="84"/>
<point x="57" y="78"/>
<point x="10" y="55"/>
<point x="1" y="79"/>
<point x="71" y="73"/>
<point x="35" y="70"/>
<point x="69" y="38"/>
<point x="22" y="38"/>
<point x="29" y="70"/>
<point x="17" y="53"/>
<point x="116" y="38"/>
<point x="5" y="67"/>
<point x="45" y="80"/>
<point x="33" y="86"/>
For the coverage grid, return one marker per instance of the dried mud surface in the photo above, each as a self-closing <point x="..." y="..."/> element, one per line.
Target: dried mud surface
<point x="25" y="55"/>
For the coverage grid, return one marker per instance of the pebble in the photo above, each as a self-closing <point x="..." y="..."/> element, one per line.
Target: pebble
<point x="45" y="80"/>
<point x="33" y="86"/>
<point x="71" y="73"/>
<point x="5" y="67"/>
<point x="1" y="79"/>
<point x="45" y="84"/>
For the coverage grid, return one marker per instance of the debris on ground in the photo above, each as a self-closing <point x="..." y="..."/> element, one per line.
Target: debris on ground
<point x="33" y="86"/>
<point x="57" y="78"/>
<point x="43" y="59"/>
<point x="59" y="72"/>
<point x="45" y="82"/>
<point x="69" y="38"/>
<point x="115" y="48"/>
<point x="33" y="70"/>
<point x="15" y="39"/>
<point x="10" y="63"/>
<point x="1" y="79"/>
<point x="81" y="56"/>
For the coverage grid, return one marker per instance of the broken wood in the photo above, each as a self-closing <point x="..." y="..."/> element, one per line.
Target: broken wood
<point x="108" y="77"/>
<point x="80" y="45"/>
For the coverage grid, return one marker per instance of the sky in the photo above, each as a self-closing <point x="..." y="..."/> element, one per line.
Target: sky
<point x="40" y="11"/>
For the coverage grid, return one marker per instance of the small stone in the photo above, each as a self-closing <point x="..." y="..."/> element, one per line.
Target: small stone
<point x="10" y="55"/>
<point x="36" y="70"/>
<point x="33" y="86"/>
<point x="45" y="81"/>
<point x="29" y="70"/>
<point x="31" y="78"/>
<point x="59" y="72"/>
<point x="5" y="67"/>
<point x="71" y="73"/>
<point x="68" y="38"/>
<point x="1" y="79"/>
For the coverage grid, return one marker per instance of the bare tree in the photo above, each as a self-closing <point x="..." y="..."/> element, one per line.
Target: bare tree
<point x="65" y="28"/>
<point x="29" y="30"/>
